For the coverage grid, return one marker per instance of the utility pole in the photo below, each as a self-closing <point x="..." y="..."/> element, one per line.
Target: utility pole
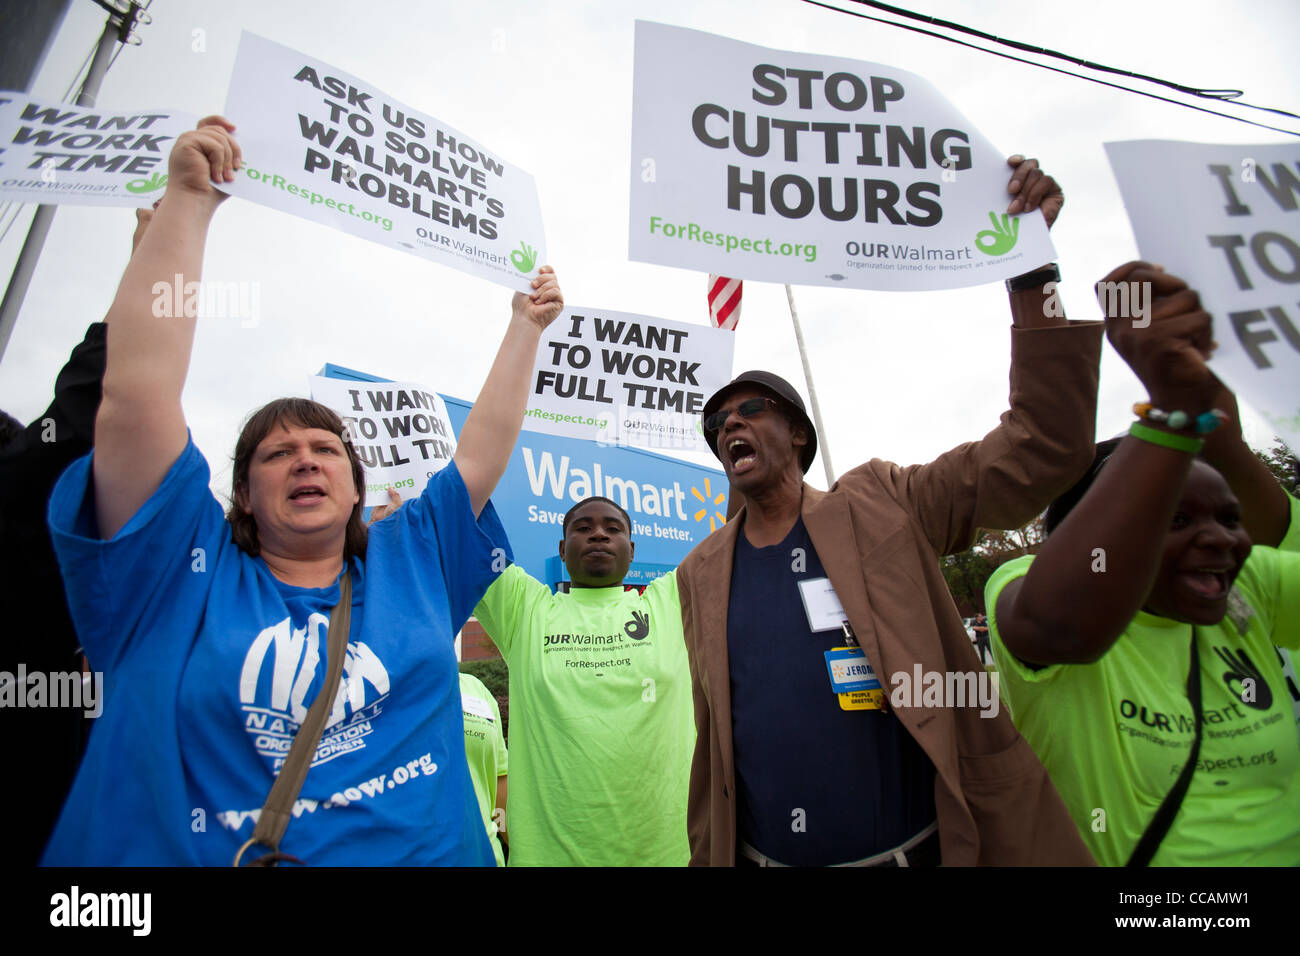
<point x="117" y="30"/>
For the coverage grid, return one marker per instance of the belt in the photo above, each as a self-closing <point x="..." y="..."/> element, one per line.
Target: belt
<point x="895" y="857"/>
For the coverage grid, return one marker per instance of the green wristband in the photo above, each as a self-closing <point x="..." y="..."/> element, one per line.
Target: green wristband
<point x="1157" y="437"/>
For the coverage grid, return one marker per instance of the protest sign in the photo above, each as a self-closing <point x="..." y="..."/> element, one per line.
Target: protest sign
<point x="789" y="167"/>
<point x="673" y="504"/>
<point x="57" y="153"/>
<point x="624" y="379"/>
<point x="1225" y="219"/>
<point x="401" y="432"/>
<point x="326" y="146"/>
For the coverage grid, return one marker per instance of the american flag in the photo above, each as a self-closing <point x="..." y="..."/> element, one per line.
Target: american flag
<point x="724" y="301"/>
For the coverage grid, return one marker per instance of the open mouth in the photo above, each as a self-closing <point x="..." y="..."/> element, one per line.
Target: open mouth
<point x="742" y="453"/>
<point x="1208" y="584"/>
<point x="307" y="494"/>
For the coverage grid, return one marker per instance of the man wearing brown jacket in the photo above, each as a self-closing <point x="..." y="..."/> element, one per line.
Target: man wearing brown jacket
<point x="806" y="602"/>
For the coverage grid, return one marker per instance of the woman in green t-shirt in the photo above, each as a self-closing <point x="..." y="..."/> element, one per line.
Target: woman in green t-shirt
<point x="1136" y="650"/>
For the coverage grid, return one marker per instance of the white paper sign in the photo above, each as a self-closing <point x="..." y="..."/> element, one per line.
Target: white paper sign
<point x="56" y="153"/>
<point x="480" y="708"/>
<point x="618" y="378"/>
<point x="1225" y="219"/>
<point x="818" y="170"/>
<point x="400" y="431"/>
<point x="326" y="146"/>
<point x="821" y="604"/>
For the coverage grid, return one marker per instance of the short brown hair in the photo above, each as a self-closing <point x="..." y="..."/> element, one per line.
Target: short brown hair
<point x="301" y="413"/>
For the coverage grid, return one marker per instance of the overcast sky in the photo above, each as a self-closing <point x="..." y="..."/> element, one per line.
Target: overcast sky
<point x="548" y="86"/>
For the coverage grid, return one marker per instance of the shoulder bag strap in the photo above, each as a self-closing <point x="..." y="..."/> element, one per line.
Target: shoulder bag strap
<point x="278" y="809"/>
<point x="1164" y="818"/>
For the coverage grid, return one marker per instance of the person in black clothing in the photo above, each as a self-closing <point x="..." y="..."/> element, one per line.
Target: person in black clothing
<point x="42" y="745"/>
<point x="981" y="628"/>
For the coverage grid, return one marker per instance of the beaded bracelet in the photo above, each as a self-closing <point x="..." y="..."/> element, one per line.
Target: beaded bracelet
<point x="1203" y="424"/>
<point x="1157" y="437"/>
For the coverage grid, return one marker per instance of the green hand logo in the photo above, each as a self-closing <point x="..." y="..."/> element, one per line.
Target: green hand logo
<point x="156" y="181"/>
<point x="1001" y="238"/>
<point x="524" y="257"/>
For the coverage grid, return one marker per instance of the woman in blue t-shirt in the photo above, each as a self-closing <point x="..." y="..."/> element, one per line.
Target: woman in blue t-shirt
<point x="211" y="632"/>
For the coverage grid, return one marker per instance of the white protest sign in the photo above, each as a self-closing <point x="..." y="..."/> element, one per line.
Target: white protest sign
<point x="326" y="146"/>
<point x="57" y="153"/>
<point x="1225" y="219"/>
<point x="817" y="170"/>
<point x="400" y="431"/>
<point x="623" y="379"/>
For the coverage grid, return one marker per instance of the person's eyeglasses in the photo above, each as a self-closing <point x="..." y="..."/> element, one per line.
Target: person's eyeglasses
<point x="747" y="409"/>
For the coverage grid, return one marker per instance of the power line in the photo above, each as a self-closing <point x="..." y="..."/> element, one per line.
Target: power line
<point x="1056" y="69"/>
<point x="1030" y="48"/>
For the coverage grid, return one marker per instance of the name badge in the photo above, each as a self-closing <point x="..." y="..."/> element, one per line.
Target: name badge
<point x="473" y="705"/>
<point x="853" y="681"/>
<point x="821" y="604"/>
<point x="850" y="670"/>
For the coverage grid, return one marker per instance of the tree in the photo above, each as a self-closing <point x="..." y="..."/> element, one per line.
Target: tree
<point x="967" y="573"/>
<point x="495" y="676"/>
<point x="1284" y="465"/>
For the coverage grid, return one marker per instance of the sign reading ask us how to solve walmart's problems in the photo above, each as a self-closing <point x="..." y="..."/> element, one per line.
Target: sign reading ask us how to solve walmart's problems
<point x="323" y="145"/>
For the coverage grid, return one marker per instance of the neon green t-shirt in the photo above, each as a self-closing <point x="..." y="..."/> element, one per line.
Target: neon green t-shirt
<point x="1114" y="735"/>
<point x="602" y="724"/>
<point x="485" y="749"/>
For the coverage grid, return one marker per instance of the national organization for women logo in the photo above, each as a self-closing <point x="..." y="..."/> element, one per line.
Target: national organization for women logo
<point x="278" y="672"/>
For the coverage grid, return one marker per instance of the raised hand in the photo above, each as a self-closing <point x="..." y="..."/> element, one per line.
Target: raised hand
<point x="544" y="304"/>
<point x="203" y="156"/>
<point x="1033" y="189"/>
<point x="1157" y="325"/>
<point x="380" y="512"/>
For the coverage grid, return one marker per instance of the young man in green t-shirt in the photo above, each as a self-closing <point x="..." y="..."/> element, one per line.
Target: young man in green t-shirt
<point x="601" y="720"/>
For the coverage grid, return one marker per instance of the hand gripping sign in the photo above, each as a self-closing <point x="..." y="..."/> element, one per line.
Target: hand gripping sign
<point x="817" y="170"/>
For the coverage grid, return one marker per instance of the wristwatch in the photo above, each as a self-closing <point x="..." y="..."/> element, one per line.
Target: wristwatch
<point x="1035" y="280"/>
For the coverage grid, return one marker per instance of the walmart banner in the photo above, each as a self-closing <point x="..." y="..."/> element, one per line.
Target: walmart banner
<point x="673" y="504"/>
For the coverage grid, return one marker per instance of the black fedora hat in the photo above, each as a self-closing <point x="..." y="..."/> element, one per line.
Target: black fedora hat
<point x="780" y="389"/>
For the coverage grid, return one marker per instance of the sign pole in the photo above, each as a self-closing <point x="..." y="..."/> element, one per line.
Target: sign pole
<point x="822" y="445"/>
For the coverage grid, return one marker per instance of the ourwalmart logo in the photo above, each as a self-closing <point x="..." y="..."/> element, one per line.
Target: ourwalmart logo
<point x="717" y="519"/>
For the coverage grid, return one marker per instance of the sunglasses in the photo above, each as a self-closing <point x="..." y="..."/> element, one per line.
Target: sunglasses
<point x="747" y="409"/>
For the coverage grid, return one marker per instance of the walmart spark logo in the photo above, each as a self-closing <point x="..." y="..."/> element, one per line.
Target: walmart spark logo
<point x="717" y="519"/>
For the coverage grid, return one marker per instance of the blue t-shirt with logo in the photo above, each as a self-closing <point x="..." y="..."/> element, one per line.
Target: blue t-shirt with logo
<point x="210" y="662"/>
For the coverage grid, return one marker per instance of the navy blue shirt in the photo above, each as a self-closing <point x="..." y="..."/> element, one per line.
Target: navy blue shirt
<point x="816" y="784"/>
